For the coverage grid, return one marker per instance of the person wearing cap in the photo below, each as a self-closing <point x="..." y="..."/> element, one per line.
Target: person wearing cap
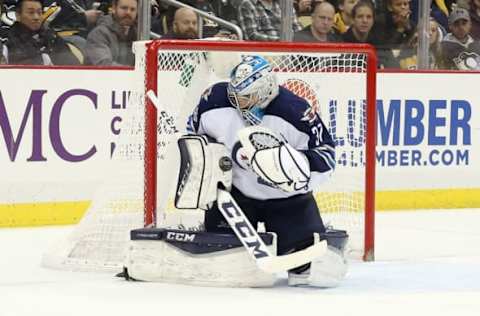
<point x="459" y="50"/>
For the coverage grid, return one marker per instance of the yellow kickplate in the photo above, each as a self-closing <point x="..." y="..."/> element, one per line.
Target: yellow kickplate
<point x="42" y="213"/>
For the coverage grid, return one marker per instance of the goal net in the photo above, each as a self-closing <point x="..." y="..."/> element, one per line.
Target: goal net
<point x="337" y="80"/>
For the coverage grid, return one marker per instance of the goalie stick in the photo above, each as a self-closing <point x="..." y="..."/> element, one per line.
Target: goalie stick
<point x="248" y="236"/>
<point x="255" y="245"/>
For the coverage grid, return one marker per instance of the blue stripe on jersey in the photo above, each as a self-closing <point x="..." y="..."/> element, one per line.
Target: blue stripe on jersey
<point x="327" y="154"/>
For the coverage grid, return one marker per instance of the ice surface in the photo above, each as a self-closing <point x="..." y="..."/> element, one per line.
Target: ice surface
<point x="427" y="263"/>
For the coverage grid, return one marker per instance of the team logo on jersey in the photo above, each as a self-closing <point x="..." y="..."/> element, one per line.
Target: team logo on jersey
<point x="467" y="61"/>
<point x="239" y="156"/>
<point x="310" y="115"/>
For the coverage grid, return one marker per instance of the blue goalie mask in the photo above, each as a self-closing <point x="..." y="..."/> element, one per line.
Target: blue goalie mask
<point x="252" y="87"/>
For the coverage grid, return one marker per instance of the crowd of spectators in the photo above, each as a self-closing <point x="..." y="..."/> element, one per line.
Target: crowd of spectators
<point x="59" y="32"/>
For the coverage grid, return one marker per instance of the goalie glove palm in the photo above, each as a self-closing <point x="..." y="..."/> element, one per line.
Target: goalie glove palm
<point x="274" y="161"/>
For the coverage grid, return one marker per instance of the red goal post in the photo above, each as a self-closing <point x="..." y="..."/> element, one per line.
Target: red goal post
<point x="140" y="178"/>
<point x="348" y="60"/>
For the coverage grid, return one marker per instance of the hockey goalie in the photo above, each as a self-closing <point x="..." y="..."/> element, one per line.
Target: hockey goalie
<point x="256" y="153"/>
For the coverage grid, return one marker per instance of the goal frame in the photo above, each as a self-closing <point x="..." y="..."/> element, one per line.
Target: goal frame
<point x="151" y="79"/>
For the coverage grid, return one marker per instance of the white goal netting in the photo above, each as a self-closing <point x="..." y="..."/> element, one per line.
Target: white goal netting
<point x="334" y="82"/>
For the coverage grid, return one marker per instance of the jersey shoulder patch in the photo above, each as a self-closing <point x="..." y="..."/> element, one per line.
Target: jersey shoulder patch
<point x="206" y="93"/>
<point x="214" y="97"/>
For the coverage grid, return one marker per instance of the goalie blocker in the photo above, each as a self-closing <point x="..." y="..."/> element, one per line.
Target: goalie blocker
<point x="216" y="259"/>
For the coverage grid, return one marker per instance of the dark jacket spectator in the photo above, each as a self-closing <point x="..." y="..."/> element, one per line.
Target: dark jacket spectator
<point x="438" y="11"/>
<point x="219" y="8"/>
<point x="76" y="17"/>
<point x="162" y="17"/>
<point x="31" y="44"/>
<point x="162" y="23"/>
<point x="396" y="24"/>
<point x="110" y="42"/>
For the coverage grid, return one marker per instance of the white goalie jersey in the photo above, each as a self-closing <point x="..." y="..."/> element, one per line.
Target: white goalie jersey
<point x="287" y="115"/>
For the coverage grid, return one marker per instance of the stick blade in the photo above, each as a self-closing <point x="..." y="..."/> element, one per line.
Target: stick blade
<point x="284" y="263"/>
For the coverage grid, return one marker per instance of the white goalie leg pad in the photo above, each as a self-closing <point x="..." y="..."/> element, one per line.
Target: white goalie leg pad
<point x="326" y="271"/>
<point x="158" y="261"/>
<point x="274" y="160"/>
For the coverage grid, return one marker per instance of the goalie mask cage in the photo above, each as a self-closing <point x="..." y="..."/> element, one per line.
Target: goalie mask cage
<point x="338" y="80"/>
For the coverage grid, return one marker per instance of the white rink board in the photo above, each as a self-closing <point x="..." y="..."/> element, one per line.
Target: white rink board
<point x="63" y="157"/>
<point x="454" y="97"/>
<point x="64" y="163"/>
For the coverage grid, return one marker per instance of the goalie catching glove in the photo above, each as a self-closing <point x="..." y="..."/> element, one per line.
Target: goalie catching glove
<point x="274" y="160"/>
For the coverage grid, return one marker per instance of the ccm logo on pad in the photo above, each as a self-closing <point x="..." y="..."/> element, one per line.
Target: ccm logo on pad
<point x="180" y="236"/>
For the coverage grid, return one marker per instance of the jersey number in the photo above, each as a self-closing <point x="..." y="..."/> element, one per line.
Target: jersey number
<point x="317" y="131"/>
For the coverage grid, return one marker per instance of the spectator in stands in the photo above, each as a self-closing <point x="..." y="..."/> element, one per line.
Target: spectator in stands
<point x="218" y="8"/>
<point x="75" y="17"/>
<point x="407" y="57"/>
<point x="110" y="42"/>
<point x="223" y="9"/>
<point x="475" y="19"/>
<point x="184" y="25"/>
<point x="396" y="25"/>
<point x="459" y="50"/>
<point x="31" y="44"/>
<point x="260" y="20"/>
<point x="162" y="18"/>
<point x="438" y="11"/>
<point x="304" y="10"/>
<point x="343" y="19"/>
<point x="362" y="31"/>
<point x="321" y="29"/>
